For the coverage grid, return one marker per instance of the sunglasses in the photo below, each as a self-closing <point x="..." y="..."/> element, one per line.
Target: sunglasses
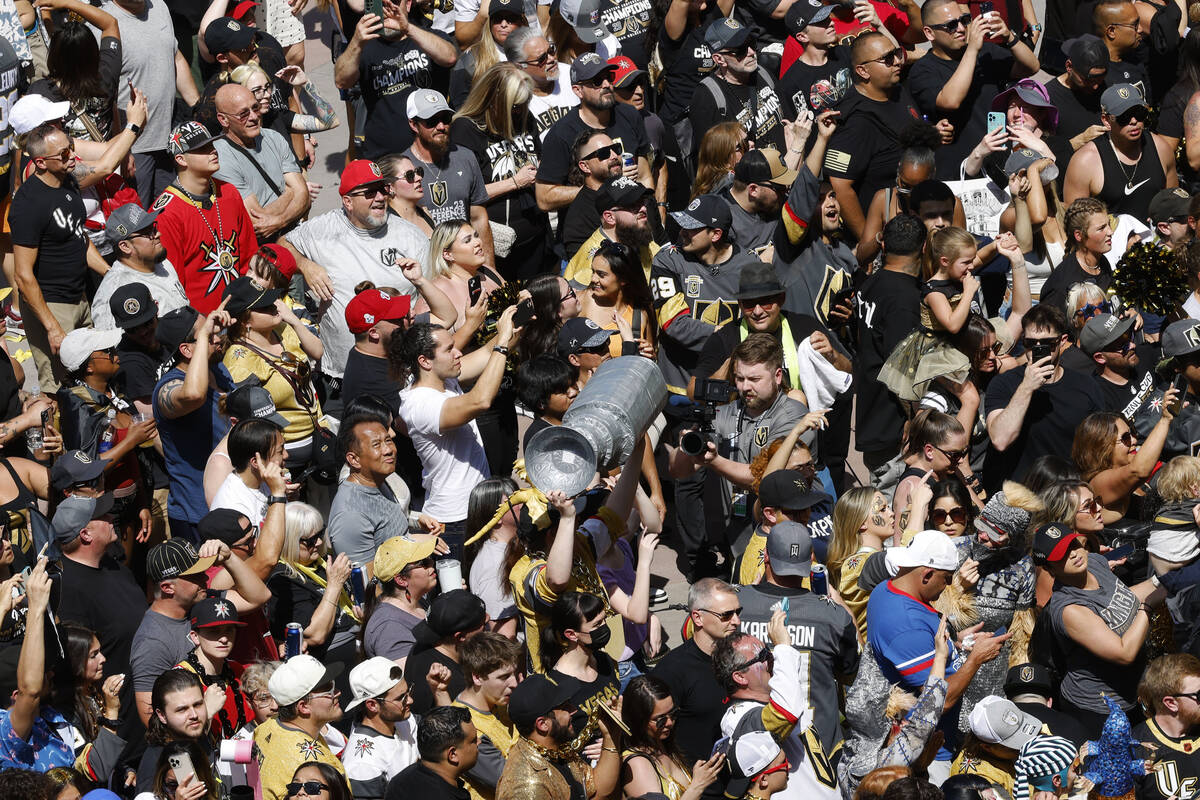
<point x="170" y="786"/>
<point x="1195" y="696"/>
<point x="764" y="657"/>
<point x="598" y="81"/>
<point x="889" y="59"/>
<point x="328" y="691"/>
<point x="314" y="541"/>
<point x="438" y="119"/>
<point x="310" y="788"/>
<point x="661" y="720"/>
<point x="1091" y="505"/>
<point x="1031" y="343"/>
<point x="1127" y="438"/>
<point x="544" y="58"/>
<point x="958" y="514"/>
<point x="108" y="352"/>
<point x="766" y="302"/>
<point x="372" y="191"/>
<point x="738" y="53"/>
<point x="1122" y="345"/>
<point x="954" y="456"/>
<point x="411" y="175"/>
<point x="424" y="562"/>
<point x="780" y="767"/>
<point x="1139" y="113"/>
<point x="1091" y="309"/>
<point x="607" y="151"/>
<point x="951" y="25"/>
<point x="724" y="616"/>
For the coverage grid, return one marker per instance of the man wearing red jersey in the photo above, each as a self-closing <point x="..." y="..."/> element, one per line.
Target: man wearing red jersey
<point x="202" y="221"/>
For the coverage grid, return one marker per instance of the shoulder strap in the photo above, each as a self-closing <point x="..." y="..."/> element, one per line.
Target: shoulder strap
<point x="277" y="364"/>
<point x="637" y="323"/>
<point x="250" y="157"/>
<point x="711" y="84"/>
<point x="488" y="273"/>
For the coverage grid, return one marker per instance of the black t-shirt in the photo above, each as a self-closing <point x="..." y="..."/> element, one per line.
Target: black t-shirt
<point x="499" y="159"/>
<point x="755" y="105"/>
<point x="993" y="68"/>
<point x="686" y="62"/>
<point x="1127" y="72"/>
<point x="51" y="219"/>
<point x="535" y="426"/>
<point x="388" y="72"/>
<point x="580" y="221"/>
<point x="720" y="345"/>
<point x="1054" y="412"/>
<point x="417" y="667"/>
<point x="625" y="128"/>
<point x="1076" y="112"/>
<point x="140" y="370"/>
<point x="629" y="21"/>
<point x="1078" y="361"/>
<point x="1060" y="724"/>
<point x="796" y="83"/>
<point x="889" y="308"/>
<point x="591" y="694"/>
<point x="688" y="673"/>
<point x="1126" y="399"/>
<point x="1067" y="273"/>
<point x="865" y="149"/>
<point x="100" y="107"/>
<point x="12" y="85"/>
<point x="370" y="375"/>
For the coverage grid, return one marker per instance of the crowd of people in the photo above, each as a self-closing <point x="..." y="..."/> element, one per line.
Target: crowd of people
<point x="920" y="283"/>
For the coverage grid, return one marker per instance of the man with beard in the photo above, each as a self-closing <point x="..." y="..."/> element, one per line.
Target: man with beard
<point x="760" y="181"/>
<point x="591" y="80"/>
<point x="596" y="159"/>
<point x="141" y="260"/>
<point x="1169" y="688"/>
<point x="1124" y="386"/>
<point x="384" y="740"/>
<point x="1129" y="165"/>
<point x="374" y="316"/>
<point x="359" y="242"/>
<point x="388" y="59"/>
<point x="621" y="202"/>
<point x="537" y="768"/>
<point x="185" y="408"/>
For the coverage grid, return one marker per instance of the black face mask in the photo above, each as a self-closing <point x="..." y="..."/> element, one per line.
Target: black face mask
<point x="600" y="638"/>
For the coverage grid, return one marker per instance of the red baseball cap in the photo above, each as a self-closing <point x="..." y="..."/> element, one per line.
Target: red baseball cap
<point x="280" y="257"/>
<point x="626" y="71"/>
<point x="359" y="173"/>
<point x="242" y="8"/>
<point x="1052" y="542"/>
<point x="372" y="306"/>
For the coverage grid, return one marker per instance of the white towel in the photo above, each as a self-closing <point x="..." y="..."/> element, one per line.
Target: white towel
<point x="820" y="380"/>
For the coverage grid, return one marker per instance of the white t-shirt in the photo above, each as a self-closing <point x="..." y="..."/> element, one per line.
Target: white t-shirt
<point x="372" y="759"/>
<point x="352" y="255"/>
<point x="163" y="284"/>
<point x="453" y="461"/>
<point x="236" y="495"/>
<point x="550" y="109"/>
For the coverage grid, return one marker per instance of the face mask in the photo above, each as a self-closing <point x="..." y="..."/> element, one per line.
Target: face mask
<point x="600" y="638"/>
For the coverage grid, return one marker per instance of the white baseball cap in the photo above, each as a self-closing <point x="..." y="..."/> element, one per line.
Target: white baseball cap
<point x="298" y="676"/>
<point x="34" y="109"/>
<point x="374" y="677"/>
<point x="932" y="549"/>
<point x="78" y="345"/>
<point x="998" y="721"/>
<point x="749" y="754"/>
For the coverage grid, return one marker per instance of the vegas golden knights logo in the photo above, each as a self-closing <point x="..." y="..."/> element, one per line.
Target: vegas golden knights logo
<point x="760" y="436"/>
<point x="437" y="193"/>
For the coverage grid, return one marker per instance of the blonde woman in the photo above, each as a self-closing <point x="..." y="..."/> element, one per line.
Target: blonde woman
<point x="318" y="114"/>
<point x="456" y="261"/>
<point x="862" y="520"/>
<point x="486" y="52"/>
<point x="495" y="124"/>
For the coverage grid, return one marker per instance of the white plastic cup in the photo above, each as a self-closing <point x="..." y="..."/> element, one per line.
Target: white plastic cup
<point x="449" y="572"/>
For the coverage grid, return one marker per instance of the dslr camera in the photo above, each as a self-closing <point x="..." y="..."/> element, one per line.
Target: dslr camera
<point x="709" y="394"/>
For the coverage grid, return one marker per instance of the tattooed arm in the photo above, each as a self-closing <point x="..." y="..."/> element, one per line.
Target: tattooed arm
<point x="321" y="116"/>
<point x="180" y="397"/>
<point x="1191" y="130"/>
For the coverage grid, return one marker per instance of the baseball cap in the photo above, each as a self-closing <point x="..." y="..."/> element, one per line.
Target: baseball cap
<point x="253" y="402"/>
<point x="789" y="549"/>
<point x="223" y="524"/>
<point x="749" y="754"/>
<point x="803" y="13"/>
<point x="75" y="467"/>
<point x="75" y="512"/>
<point x="758" y="279"/>
<point x="584" y="17"/>
<point x="173" y="558"/>
<point x="1120" y="97"/>
<point x="617" y="192"/>
<point x="789" y="489"/>
<point x="132" y="305"/>
<point x="224" y="34"/>
<point x="175" y="327"/>
<point x="189" y="136"/>
<point x="1031" y="93"/>
<point x="32" y="110"/>
<point x="706" y="211"/>
<point x="426" y="104"/>
<point x="127" y="220"/>
<point x="1051" y="542"/>
<point x="397" y="553"/>
<point x="374" y="305"/>
<point x="932" y="549"/>
<point x="295" y="678"/>
<point x="78" y="345"/>
<point x="214" y="611"/>
<point x="247" y="294"/>
<point x="452" y="612"/>
<point x="510" y="8"/>
<point x="725" y="33"/>
<point x="360" y="172"/>
<point x="1168" y="204"/>
<point x="588" y="66"/>
<point x="580" y="333"/>
<point x="997" y="720"/>
<point x="281" y="258"/>
<point x="1181" y="338"/>
<point x="1086" y="53"/>
<point x="537" y="696"/>
<point x="1024" y="158"/>
<point x="1028" y="678"/>
<point x="242" y="8"/>
<point x="373" y="678"/>
<point x="626" y="72"/>
<point x="764" y="166"/>
<point x="1101" y="331"/>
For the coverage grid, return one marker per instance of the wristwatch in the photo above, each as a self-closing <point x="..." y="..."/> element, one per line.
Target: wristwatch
<point x="137" y="129"/>
<point x="501" y="349"/>
<point x="276" y="498"/>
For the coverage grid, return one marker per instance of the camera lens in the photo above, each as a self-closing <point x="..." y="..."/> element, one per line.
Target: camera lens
<point x="692" y="443"/>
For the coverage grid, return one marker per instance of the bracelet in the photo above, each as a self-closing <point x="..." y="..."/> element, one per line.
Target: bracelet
<point x="661" y="204"/>
<point x="112" y="724"/>
<point x="516" y="185"/>
<point x="1037" y="28"/>
<point x="608" y="749"/>
<point x="1009" y="45"/>
<point x="276" y="498"/>
<point x="1154" y="581"/>
<point x="501" y="349"/>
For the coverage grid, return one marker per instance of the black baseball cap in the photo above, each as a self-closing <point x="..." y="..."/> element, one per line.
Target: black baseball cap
<point x="580" y="333"/>
<point x="1052" y="542"/>
<point x="224" y="34"/>
<point x="212" y="612"/>
<point x="803" y="13"/>
<point x="507" y="8"/>
<point x="619" y="192"/>
<point x="758" y="279"/>
<point x="253" y="402"/>
<point x="789" y="489"/>
<point x="1028" y="679"/>
<point x="455" y="611"/>
<point x="726" y="33"/>
<point x="175" y="558"/>
<point x="223" y="524"/>
<point x="175" y="327"/>
<point x="247" y="294"/>
<point x="706" y="211"/>
<point x="132" y="305"/>
<point x="75" y="467"/>
<point x="588" y="66"/>
<point x="537" y="696"/>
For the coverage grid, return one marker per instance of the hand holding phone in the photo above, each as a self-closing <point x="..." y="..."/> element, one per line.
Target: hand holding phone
<point x="181" y="764"/>
<point x="1181" y="386"/>
<point x="475" y="287"/>
<point x="1119" y="553"/>
<point x="524" y="314"/>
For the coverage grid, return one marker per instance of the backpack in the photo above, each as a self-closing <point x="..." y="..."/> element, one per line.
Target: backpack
<point x="688" y="144"/>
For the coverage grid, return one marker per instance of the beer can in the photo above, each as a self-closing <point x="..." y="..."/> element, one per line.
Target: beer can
<point x="820" y="584"/>
<point x="628" y="159"/>
<point x="295" y="635"/>
<point x="358" y="585"/>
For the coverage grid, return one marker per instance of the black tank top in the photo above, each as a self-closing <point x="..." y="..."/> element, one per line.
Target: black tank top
<point x="1129" y="189"/>
<point x="25" y="497"/>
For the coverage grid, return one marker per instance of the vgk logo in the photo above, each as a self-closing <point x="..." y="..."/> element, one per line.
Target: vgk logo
<point x="691" y="285"/>
<point x="438" y="193"/>
<point x="760" y="436"/>
<point x="1192" y="335"/>
<point x="388" y="256"/>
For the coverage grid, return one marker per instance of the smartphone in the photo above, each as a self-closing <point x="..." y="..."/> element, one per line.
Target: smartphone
<point x="843" y="297"/>
<point x="523" y="314"/>
<point x="181" y="764"/>
<point x="1119" y="553"/>
<point x="996" y="121"/>
<point x="1003" y="629"/>
<point x="376" y="7"/>
<point x="1181" y="385"/>
<point x="475" y="287"/>
<point x="1040" y="351"/>
<point x="19" y="589"/>
<point x="986" y="7"/>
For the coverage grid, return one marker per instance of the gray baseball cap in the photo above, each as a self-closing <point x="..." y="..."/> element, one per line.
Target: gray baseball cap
<point x="1121" y="97"/>
<point x="127" y="220"/>
<point x="1181" y="338"/>
<point x="789" y="548"/>
<point x="1101" y="331"/>
<point x="75" y="512"/>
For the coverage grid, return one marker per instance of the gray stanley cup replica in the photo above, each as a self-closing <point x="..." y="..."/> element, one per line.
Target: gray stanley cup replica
<point x="601" y="427"/>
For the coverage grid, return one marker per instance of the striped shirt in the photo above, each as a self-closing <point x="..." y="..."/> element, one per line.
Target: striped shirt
<point x="901" y="630"/>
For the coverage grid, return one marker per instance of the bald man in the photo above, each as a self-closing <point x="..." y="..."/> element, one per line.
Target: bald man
<point x="259" y="163"/>
<point x="1120" y="27"/>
